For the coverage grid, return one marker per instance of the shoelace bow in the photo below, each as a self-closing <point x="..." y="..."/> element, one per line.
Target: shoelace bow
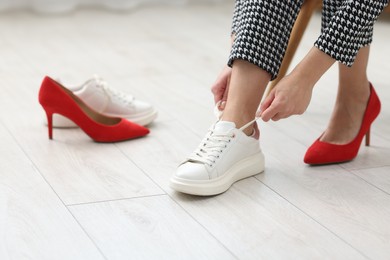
<point x="126" y="99"/>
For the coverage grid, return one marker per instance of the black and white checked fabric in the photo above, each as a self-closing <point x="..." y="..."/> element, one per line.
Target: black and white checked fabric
<point x="262" y="29"/>
<point x="347" y="26"/>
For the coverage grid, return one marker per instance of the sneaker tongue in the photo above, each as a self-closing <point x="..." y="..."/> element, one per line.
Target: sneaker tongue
<point x="87" y="88"/>
<point x="224" y="126"/>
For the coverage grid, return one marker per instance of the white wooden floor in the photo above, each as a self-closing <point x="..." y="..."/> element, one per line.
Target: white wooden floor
<point x="71" y="198"/>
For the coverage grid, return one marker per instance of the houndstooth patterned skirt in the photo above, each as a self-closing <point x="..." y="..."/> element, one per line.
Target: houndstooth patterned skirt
<point x="262" y="29"/>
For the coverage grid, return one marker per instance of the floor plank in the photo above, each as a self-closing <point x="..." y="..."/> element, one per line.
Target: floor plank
<point x="34" y="223"/>
<point x="148" y="228"/>
<point x="268" y="226"/>
<point x="379" y="177"/>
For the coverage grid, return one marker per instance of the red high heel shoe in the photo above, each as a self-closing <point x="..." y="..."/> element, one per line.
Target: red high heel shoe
<point x="56" y="99"/>
<point x="325" y="153"/>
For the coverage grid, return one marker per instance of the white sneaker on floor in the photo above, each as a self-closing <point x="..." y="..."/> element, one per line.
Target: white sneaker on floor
<point x="224" y="156"/>
<point x="110" y="102"/>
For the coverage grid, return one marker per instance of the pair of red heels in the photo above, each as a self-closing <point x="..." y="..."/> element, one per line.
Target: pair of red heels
<point x="326" y="153"/>
<point x="56" y="99"/>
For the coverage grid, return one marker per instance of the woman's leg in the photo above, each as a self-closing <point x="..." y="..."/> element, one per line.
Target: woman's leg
<point x="351" y="102"/>
<point x="262" y="35"/>
<point x="247" y="85"/>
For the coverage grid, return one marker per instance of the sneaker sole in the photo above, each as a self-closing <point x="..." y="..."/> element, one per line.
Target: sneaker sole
<point x="243" y="169"/>
<point x="63" y="122"/>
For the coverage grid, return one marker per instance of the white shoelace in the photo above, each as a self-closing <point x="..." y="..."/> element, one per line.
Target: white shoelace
<point x="213" y="144"/>
<point x="218" y="113"/>
<point x="124" y="98"/>
<point x="211" y="147"/>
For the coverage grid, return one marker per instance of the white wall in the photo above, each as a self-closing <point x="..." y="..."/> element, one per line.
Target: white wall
<point x="59" y="6"/>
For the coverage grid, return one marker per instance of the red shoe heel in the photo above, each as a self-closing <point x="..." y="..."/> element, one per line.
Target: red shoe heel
<point x="49" y="116"/>
<point x="56" y="99"/>
<point x="326" y="153"/>
<point x="368" y="137"/>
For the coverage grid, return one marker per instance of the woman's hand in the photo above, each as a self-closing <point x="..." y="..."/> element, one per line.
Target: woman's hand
<point x="221" y="87"/>
<point x="291" y="96"/>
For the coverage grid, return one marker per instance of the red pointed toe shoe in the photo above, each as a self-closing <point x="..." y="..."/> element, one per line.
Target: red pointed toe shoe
<point x="326" y="153"/>
<point x="56" y="99"/>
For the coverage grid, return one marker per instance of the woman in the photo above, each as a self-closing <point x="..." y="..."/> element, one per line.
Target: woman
<point x="261" y="29"/>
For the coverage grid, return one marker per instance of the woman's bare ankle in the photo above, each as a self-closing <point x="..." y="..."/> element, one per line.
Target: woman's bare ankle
<point x="240" y="122"/>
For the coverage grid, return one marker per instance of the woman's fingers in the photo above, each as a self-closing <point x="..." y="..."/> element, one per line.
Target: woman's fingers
<point x="221" y="87"/>
<point x="291" y="96"/>
<point x="268" y="100"/>
<point x="224" y="97"/>
<point x="218" y="90"/>
<point x="270" y="112"/>
<point x="266" y="104"/>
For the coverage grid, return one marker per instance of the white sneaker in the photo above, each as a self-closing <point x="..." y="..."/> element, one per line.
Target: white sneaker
<point x="109" y="102"/>
<point x="224" y="156"/>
